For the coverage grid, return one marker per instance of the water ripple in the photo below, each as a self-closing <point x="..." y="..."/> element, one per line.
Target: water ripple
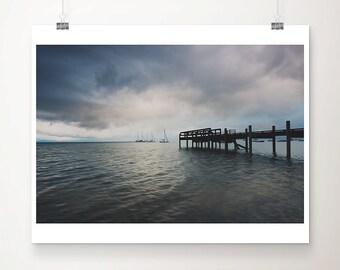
<point x="129" y="182"/>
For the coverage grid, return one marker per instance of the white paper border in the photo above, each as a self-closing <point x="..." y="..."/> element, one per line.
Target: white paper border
<point x="172" y="233"/>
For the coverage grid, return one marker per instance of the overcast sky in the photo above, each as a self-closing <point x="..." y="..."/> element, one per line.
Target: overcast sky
<point x="113" y="92"/>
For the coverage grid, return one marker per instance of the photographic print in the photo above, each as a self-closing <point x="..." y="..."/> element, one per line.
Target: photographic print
<point x="181" y="134"/>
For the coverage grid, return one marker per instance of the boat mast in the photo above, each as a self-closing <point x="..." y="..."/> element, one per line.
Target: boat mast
<point x="165" y="137"/>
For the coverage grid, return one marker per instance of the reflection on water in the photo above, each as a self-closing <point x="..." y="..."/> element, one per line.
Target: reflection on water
<point x="152" y="182"/>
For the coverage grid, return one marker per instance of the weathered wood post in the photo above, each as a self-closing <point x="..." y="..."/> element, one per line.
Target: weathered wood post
<point x="273" y="140"/>
<point x="196" y="139"/>
<point x="225" y="139"/>
<point x="208" y="139"/>
<point x="250" y="137"/>
<point x="246" y="132"/>
<point x="212" y="140"/>
<point x="288" y="139"/>
<point x="201" y="142"/>
<point x="179" y="141"/>
<point x="187" y="141"/>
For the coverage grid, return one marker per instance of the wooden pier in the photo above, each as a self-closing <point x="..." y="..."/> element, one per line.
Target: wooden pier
<point x="213" y="138"/>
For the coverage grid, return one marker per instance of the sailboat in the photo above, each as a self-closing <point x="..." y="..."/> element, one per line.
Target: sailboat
<point x="165" y="139"/>
<point x="146" y="139"/>
<point x="152" y="138"/>
<point x="139" y="140"/>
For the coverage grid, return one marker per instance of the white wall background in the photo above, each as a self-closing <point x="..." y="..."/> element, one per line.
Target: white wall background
<point x="16" y="251"/>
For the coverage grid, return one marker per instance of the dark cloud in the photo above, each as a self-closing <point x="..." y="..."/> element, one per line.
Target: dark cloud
<point x="97" y="86"/>
<point x="284" y="61"/>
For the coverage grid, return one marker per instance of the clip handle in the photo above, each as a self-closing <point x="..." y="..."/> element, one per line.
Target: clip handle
<point x="277" y="25"/>
<point x="62" y="25"/>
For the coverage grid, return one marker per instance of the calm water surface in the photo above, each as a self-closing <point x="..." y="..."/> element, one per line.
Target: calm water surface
<point x="153" y="182"/>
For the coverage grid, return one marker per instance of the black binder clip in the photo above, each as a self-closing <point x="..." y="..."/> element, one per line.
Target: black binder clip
<point x="62" y="25"/>
<point x="277" y="25"/>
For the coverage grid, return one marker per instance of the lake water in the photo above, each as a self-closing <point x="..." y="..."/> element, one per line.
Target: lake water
<point x="153" y="182"/>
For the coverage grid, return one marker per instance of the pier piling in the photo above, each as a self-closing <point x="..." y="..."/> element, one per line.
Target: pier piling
<point x="250" y="139"/>
<point x="187" y="142"/>
<point x="246" y="139"/>
<point x="288" y="139"/>
<point x="226" y="139"/>
<point x="273" y="140"/>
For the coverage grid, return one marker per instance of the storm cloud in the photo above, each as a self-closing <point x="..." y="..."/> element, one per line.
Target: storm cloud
<point x="111" y="92"/>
